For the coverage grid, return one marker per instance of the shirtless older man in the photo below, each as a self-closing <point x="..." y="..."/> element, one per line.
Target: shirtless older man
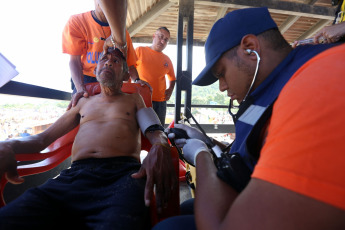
<point x="103" y="188"/>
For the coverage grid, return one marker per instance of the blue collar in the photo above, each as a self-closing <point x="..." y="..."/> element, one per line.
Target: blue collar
<point x="98" y="21"/>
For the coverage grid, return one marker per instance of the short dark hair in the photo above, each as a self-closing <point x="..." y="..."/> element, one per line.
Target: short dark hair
<point x="272" y="37"/>
<point x="275" y="39"/>
<point x="163" y="28"/>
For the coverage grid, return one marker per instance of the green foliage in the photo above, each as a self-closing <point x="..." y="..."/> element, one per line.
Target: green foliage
<point x="62" y="104"/>
<point x="44" y="104"/>
<point x="205" y="95"/>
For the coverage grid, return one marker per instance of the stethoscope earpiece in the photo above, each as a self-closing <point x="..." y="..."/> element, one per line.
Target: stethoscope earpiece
<point x="249" y="51"/>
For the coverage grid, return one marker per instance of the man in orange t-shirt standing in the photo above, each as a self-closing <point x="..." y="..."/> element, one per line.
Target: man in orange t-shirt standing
<point x="83" y="39"/>
<point x="153" y="65"/>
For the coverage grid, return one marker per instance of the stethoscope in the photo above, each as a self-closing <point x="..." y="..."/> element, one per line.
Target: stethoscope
<point x="241" y="108"/>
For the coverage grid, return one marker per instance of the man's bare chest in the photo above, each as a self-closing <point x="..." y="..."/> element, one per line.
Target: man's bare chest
<point x="107" y="111"/>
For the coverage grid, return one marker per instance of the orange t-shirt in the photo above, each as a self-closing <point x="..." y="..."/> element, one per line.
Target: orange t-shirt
<point x="152" y="66"/>
<point x="82" y="36"/>
<point x="305" y="147"/>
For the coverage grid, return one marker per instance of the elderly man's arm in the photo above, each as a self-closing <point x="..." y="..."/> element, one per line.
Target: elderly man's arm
<point x="159" y="170"/>
<point x="157" y="166"/>
<point x="34" y="144"/>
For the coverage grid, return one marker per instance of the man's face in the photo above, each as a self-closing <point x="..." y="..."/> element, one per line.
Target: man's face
<point x="235" y="76"/>
<point x="160" y="40"/>
<point x="109" y="70"/>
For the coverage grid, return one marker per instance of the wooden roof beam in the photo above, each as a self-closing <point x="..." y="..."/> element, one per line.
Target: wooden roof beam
<point x="292" y="19"/>
<point x="172" y="41"/>
<point x="318" y="26"/>
<point x="149" y="16"/>
<point x="275" y="6"/>
<point x="288" y="23"/>
<point x="220" y="14"/>
<point x="311" y="2"/>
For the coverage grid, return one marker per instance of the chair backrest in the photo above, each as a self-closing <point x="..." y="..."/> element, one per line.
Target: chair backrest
<point x="60" y="150"/>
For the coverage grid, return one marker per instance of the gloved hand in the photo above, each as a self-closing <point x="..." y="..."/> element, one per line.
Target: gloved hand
<point x="193" y="133"/>
<point x="192" y="148"/>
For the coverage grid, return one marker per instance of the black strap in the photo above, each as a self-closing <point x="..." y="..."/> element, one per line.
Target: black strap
<point x="155" y="127"/>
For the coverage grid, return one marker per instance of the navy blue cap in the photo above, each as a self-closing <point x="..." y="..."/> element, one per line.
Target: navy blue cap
<point x="228" y="32"/>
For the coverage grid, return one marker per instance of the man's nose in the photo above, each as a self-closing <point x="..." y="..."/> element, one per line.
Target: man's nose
<point x="109" y="62"/>
<point x="222" y="85"/>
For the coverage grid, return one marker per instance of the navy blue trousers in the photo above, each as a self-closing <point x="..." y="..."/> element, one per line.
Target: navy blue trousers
<point x="92" y="194"/>
<point x="185" y="221"/>
<point x="160" y="107"/>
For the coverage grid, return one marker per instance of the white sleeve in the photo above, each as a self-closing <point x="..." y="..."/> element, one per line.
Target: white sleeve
<point x="147" y="117"/>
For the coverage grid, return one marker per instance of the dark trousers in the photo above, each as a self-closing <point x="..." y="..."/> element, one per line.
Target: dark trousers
<point x="92" y="194"/>
<point x="160" y="107"/>
<point x="185" y="222"/>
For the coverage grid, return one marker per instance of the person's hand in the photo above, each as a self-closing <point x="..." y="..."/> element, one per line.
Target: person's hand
<point x="294" y="44"/>
<point x="76" y="97"/>
<point x="168" y="93"/>
<point x="159" y="170"/>
<point x="192" y="148"/>
<point x="192" y="133"/>
<point x="330" y="34"/>
<point x="8" y="164"/>
<point x="142" y="83"/>
<point x="108" y="43"/>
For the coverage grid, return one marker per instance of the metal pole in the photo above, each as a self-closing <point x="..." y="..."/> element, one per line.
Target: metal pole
<point x="184" y="78"/>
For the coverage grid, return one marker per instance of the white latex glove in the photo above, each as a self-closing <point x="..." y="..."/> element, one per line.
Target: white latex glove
<point x="180" y="142"/>
<point x="193" y="133"/>
<point x="192" y="148"/>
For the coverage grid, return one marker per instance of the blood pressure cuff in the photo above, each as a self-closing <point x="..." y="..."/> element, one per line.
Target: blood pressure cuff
<point x="148" y="120"/>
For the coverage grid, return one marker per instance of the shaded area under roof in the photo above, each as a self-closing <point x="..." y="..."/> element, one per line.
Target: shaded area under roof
<point x="296" y="19"/>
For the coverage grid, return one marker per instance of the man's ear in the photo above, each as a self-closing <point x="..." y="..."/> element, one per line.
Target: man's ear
<point x="251" y="42"/>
